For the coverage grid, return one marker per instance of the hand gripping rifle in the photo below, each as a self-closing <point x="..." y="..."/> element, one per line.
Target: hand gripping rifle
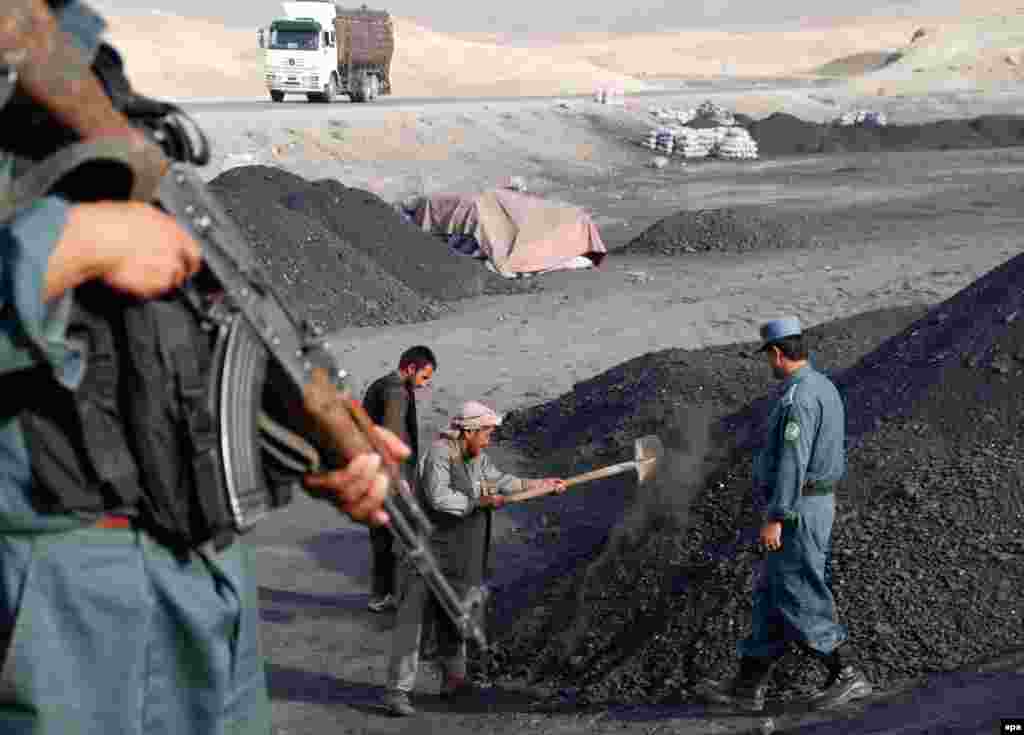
<point x="51" y="71"/>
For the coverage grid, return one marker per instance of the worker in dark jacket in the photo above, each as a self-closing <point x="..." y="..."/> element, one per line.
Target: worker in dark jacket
<point x="797" y="469"/>
<point x="391" y="402"/>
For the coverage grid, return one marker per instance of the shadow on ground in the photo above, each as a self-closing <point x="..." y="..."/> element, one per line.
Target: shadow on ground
<point x="297" y="685"/>
<point x="944" y="703"/>
<point x="284" y="606"/>
<point x="343" y="551"/>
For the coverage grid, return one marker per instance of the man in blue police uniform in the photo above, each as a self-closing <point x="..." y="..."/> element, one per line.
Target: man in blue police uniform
<point x="103" y="628"/>
<point x="797" y="469"/>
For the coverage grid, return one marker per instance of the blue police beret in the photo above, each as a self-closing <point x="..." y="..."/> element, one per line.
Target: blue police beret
<point x="778" y="329"/>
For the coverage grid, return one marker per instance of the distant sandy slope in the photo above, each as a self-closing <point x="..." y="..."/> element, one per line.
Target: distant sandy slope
<point x="174" y="56"/>
<point x="979" y="52"/>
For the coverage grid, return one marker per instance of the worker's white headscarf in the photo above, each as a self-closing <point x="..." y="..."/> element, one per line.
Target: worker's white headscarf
<point x="472" y="415"/>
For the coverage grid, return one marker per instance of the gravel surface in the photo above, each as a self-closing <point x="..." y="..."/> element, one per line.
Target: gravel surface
<point x="720" y="230"/>
<point x="784" y="134"/>
<point x="366" y="223"/>
<point x="928" y="560"/>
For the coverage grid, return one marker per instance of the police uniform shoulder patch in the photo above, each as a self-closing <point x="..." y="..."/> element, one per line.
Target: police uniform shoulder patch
<point x="792" y="431"/>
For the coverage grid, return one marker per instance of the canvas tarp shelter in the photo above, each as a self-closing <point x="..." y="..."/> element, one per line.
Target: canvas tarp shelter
<point x="517" y="232"/>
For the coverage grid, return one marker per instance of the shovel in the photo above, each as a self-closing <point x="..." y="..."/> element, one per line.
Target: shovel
<point x="647" y="449"/>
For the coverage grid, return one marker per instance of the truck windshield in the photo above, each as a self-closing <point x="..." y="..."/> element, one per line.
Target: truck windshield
<point x="281" y="39"/>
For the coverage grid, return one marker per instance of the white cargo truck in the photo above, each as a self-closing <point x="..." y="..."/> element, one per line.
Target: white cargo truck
<point x="322" y="50"/>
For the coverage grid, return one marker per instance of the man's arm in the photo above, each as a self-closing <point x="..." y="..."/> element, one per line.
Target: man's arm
<point x="503" y="482"/>
<point x="32" y="327"/>
<point x="436" y="482"/>
<point x="359" y="489"/>
<point x="101" y="240"/>
<point x="53" y="246"/>
<point x="799" y="425"/>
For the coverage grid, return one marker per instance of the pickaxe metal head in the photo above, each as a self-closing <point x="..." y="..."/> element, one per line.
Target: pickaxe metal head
<point x="648" y="451"/>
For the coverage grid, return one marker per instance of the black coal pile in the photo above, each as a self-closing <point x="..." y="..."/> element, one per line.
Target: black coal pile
<point x="320" y="277"/>
<point x="640" y="396"/>
<point x="371" y="226"/>
<point x="717" y="230"/>
<point x="927" y="560"/>
<point x="784" y="134"/>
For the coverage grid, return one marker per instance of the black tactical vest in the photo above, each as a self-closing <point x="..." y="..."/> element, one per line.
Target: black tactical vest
<point x="138" y="435"/>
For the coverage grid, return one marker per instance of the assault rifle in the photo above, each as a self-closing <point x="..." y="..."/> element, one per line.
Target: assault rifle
<point x="153" y="162"/>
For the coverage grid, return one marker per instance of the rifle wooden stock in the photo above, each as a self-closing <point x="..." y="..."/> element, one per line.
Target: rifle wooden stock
<point x="52" y="71"/>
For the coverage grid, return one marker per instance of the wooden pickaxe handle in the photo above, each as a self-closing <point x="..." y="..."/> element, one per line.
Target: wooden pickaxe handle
<point x="615" y="469"/>
<point x="597" y="474"/>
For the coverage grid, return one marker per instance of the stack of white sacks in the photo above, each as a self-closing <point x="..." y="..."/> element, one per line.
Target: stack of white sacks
<point x="725" y="139"/>
<point x="697" y="142"/>
<point x="662" y="140"/>
<point x="737" y="145"/>
<point x="867" y="118"/>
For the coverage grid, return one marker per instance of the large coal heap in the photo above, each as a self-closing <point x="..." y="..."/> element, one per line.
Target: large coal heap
<point x="735" y="229"/>
<point x="927" y="562"/>
<point x="640" y="395"/>
<point x="365" y="222"/>
<point x="784" y="134"/>
<point x="891" y="380"/>
<point x="320" y="276"/>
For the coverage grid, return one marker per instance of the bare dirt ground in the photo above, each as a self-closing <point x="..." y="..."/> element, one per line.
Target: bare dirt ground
<point x="888" y="230"/>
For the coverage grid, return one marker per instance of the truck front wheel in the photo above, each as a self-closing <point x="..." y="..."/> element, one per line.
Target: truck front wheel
<point x="276" y="95"/>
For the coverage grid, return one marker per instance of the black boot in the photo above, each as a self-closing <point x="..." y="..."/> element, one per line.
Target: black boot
<point x="746" y="691"/>
<point x="846" y="682"/>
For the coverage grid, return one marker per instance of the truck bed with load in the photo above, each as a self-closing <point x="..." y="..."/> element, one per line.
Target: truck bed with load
<point x="366" y="41"/>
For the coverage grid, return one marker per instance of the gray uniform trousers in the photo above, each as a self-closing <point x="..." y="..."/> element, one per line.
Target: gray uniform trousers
<point x="416" y="602"/>
<point x="792" y="602"/>
<point x="111" y="634"/>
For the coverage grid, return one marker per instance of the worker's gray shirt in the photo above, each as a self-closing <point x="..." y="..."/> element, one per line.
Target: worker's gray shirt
<point x="446" y="494"/>
<point x="806" y="442"/>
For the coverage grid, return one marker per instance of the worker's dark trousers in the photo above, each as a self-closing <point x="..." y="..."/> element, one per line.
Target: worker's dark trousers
<point x="383" y="561"/>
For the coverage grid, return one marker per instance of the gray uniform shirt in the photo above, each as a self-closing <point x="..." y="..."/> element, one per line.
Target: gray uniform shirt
<point x="453" y="498"/>
<point x="806" y="442"/>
